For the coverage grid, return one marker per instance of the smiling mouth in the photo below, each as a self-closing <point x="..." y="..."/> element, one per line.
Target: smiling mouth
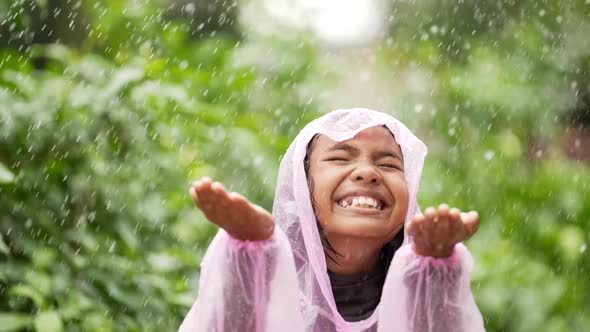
<point x="362" y="202"/>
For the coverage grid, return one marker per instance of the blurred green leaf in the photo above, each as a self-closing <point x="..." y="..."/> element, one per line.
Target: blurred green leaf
<point x="3" y="247"/>
<point x="48" y="321"/>
<point x="29" y="292"/>
<point x="6" y="175"/>
<point x="14" y="321"/>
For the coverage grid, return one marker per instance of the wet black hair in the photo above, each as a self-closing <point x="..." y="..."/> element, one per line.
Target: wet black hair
<point x="388" y="249"/>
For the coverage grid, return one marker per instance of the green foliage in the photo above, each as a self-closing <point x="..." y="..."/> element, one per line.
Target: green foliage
<point x="505" y="85"/>
<point x="98" y="143"/>
<point x="97" y="230"/>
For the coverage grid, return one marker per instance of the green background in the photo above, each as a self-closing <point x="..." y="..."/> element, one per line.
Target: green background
<point x="110" y="108"/>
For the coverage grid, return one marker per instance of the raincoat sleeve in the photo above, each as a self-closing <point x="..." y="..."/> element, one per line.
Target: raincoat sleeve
<point x="427" y="294"/>
<point x="246" y="286"/>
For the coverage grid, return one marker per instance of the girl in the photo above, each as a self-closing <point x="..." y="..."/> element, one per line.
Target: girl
<point x="351" y="251"/>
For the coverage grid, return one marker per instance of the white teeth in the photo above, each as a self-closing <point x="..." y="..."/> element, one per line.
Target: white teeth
<point x="361" y="201"/>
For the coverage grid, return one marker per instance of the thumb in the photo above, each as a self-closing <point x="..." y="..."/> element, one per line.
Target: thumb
<point x="470" y="222"/>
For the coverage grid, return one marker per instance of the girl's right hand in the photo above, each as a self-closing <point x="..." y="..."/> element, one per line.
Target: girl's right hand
<point x="231" y="211"/>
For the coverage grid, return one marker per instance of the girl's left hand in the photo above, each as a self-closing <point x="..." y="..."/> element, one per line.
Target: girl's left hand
<point x="436" y="232"/>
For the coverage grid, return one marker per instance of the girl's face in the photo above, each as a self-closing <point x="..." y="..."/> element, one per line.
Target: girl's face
<point x="358" y="185"/>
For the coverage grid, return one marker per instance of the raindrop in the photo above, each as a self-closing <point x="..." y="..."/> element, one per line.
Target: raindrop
<point x="583" y="248"/>
<point x="489" y="155"/>
<point x="258" y="161"/>
<point x="112" y="247"/>
<point x="418" y="108"/>
<point x="364" y="76"/>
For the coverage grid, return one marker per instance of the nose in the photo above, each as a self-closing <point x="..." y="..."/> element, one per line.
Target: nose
<point x="365" y="173"/>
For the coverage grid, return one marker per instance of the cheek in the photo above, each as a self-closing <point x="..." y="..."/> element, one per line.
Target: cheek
<point x="400" y="190"/>
<point x="326" y="182"/>
<point x="322" y="202"/>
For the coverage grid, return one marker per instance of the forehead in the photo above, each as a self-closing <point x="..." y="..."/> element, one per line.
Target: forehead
<point x="371" y="138"/>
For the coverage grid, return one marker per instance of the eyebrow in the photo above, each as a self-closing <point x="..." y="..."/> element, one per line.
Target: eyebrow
<point x="351" y="149"/>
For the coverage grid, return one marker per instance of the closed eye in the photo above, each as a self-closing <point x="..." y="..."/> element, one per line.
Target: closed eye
<point x="391" y="166"/>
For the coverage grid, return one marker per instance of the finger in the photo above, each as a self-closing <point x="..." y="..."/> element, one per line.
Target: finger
<point x="418" y="236"/>
<point x="471" y="222"/>
<point x="415" y="224"/>
<point x="442" y="225"/>
<point x="217" y="188"/>
<point x="456" y="227"/>
<point x="219" y="194"/>
<point x="203" y="191"/>
<point x="430" y="214"/>
<point x="202" y="185"/>
<point x="443" y="211"/>
<point x="193" y="194"/>
<point x="455" y="214"/>
<point x="217" y="206"/>
<point x="428" y="223"/>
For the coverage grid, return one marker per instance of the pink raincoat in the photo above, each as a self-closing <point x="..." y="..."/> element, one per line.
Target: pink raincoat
<point x="282" y="284"/>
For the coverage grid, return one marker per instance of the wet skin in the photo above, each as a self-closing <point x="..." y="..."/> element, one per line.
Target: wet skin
<point x="232" y="211"/>
<point x="372" y="167"/>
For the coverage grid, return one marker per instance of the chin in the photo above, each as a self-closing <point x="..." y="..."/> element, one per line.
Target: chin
<point x="362" y="228"/>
